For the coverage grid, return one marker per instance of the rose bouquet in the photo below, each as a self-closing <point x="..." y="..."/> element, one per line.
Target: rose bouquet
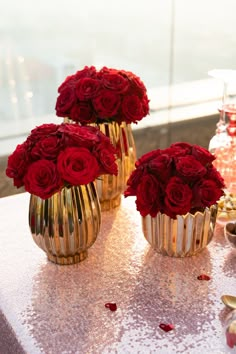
<point x="91" y="96"/>
<point x="54" y="156"/>
<point x="175" y="181"/>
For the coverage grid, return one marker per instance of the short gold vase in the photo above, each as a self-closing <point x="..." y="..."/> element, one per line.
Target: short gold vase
<point x="110" y="187"/>
<point x="181" y="237"/>
<point x="66" y="224"/>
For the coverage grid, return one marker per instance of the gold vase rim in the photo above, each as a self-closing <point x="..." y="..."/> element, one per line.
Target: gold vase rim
<point x="184" y="216"/>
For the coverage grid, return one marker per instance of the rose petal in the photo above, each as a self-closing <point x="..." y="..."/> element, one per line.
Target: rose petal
<point x="203" y="277"/>
<point x="166" y="327"/>
<point x="111" y="306"/>
<point x="231" y="339"/>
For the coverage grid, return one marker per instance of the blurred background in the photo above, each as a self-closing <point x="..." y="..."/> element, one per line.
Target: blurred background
<point x="170" y="44"/>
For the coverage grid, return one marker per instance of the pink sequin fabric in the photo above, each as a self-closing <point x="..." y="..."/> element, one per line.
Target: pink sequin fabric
<point x="53" y="309"/>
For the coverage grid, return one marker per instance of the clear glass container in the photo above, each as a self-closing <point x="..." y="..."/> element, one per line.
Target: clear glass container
<point x="223" y="143"/>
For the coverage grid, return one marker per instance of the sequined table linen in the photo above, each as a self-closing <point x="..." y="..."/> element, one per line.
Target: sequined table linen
<point x="53" y="309"/>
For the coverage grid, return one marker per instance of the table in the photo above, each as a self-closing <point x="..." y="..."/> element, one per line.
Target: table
<point x="48" y="308"/>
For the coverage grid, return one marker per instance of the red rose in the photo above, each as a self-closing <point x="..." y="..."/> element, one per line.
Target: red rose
<point x="106" y="104"/>
<point x="148" y="196"/>
<point x="202" y="155"/>
<point x="189" y="168"/>
<point x="115" y="82"/>
<point x="42" y="179"/>
<point x="77" y="166"/>
<point x="161" y="166"/>
<point x="86" y="72"/>
<point x="213" y="174"/>
<point x="206" y="193"/>
<point x="137" y="86"/>
<point x="106" y="70"/>
<point x="80" y="136"/>
<point x="134" y="181"/>
<point x="132" y="109"/>
<point x="179" y="149"/>
<point x="82" y="113"/>
<point x="47" y="148"/>
<point x="149" y="156"/>
<point x="178" y="196"/>
<point x="17" y="165"/>
<point x="87" y="88"/>
<point x="69" y="81"/>
<point x="107" y="161"/>
<point x="41" y="132"/>
<point x="65" y="101"/>
<point x="145" y="105"/>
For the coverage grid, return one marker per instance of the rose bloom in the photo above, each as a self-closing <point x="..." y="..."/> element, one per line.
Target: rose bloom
<point x="213" y="174"/>
<point x="202" y="155"/>
<point x="87" y="71"/>
<point x="87" y="88"/>
<point x="206" y="193"/>
<point x="107" y="161"/>
<point x="47" y="148"/>
<point x="77" y="166"/>
<point x="178" y="149"/>
<point x="138" y="86"/>
<point x="178" y="196"/>
<point x="161" y="166"/>
<point x="41" y="132"/>
<point x="42" y="179"/>
<point x="106" y="104"/>
<point x="147" y="157"/>
<point x="132" y="108"/>
<point x="69" y="81"/>
<point x="134" y="180"/>
<point x="17" y="165"/>
<point x="145" y="105"/>
<point x="65" y="101"/>
<point x="84" y="137"/>
<point x="148" y="194"/>
<point x="83" y="113"/>
<point x="115" y="82"/>
<point x="189" y="168"/>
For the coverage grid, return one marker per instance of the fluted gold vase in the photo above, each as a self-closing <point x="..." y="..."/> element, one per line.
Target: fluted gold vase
<point x="181" y="237"/>
<point x="67" y="224"/>
<point x="110" y="187"/>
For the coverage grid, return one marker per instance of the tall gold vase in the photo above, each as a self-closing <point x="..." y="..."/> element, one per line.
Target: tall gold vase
<point x="109" y="187"/>
<point x="181" y="237"/>
<point x="67" y="224"/>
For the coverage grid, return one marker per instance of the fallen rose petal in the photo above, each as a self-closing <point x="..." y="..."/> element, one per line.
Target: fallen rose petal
<point x="231" y="339"/>
<point x="203" y="277"/>
<point x="167" y="327"/>
<point x="111" y="306"/>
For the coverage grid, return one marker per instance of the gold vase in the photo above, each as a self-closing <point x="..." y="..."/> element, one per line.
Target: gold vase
<point x="181" y="237"/>
<point x="110" y="187"/>
<point x="66" y="224"/>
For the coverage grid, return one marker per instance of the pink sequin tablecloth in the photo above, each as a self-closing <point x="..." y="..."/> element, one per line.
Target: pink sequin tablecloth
<point x="52" y="309"/>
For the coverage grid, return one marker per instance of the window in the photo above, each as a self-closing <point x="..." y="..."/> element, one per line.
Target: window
<point x="170" y="44"/>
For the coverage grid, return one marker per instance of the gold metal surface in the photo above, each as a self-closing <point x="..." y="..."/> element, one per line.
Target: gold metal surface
<point x="229" y="301"/>
<point x="184" y="236"/>
<point x="66" y="224"/>
<point x="109" y="187"/>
